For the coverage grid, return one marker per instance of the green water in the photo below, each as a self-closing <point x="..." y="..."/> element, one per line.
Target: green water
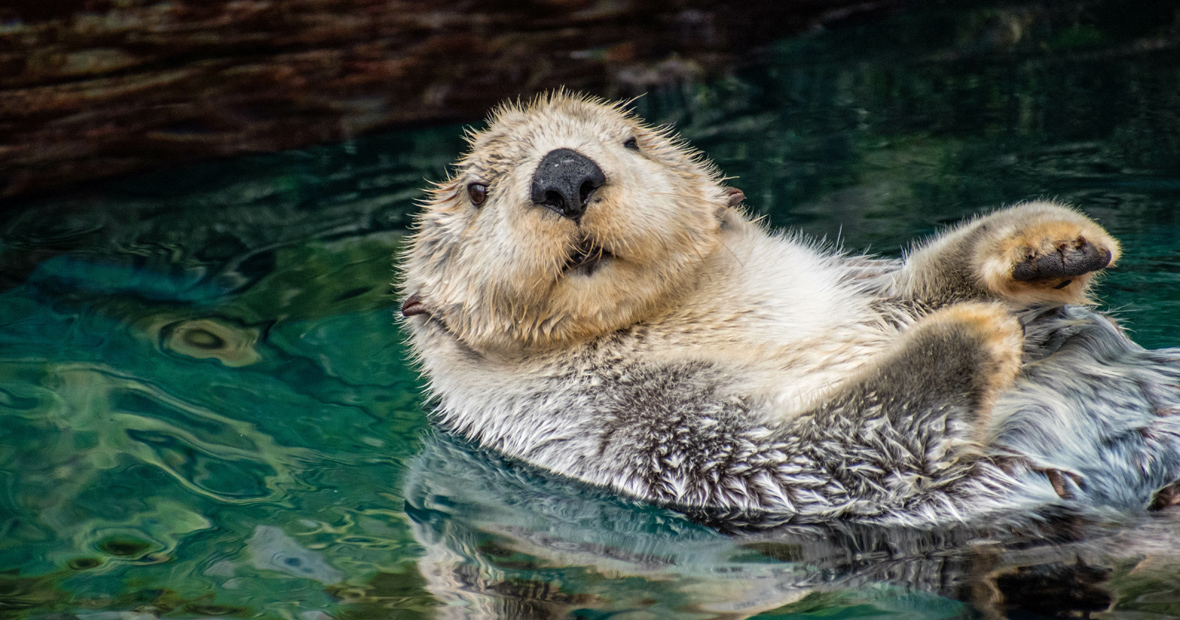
<point x="206" y="410"/>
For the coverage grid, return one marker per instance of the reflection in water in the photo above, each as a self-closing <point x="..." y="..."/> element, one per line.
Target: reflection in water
<point x="205" y="409"/>
<point x="490" y="527"/>
<point x="210" y="338"/>
<point x="172" y="458"/>
<point x="271" y="549"/>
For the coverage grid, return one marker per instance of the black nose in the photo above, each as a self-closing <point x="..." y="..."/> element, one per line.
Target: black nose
<point x="564" y="182"/>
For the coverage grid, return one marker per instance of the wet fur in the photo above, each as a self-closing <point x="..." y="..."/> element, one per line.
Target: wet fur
<point x="709" y="362"/>
<point x="485" y="524"/>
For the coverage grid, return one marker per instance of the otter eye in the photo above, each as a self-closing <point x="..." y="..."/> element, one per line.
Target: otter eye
<point x="632" y="144"/>
<point x="477" y="192"/>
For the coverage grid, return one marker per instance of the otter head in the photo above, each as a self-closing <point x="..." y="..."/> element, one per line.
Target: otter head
<point x="567" y="219"/>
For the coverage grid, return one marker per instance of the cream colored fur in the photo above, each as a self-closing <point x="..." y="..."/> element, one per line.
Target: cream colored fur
<point x="524" y="353"/>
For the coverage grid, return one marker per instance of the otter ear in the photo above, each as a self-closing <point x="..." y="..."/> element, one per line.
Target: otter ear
<point x="414" y="306"/>
<point x="726" y="214"/>
<point x="736" y="196"/>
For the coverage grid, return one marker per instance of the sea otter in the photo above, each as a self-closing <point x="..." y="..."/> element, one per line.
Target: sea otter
<point x="586" y="295"/>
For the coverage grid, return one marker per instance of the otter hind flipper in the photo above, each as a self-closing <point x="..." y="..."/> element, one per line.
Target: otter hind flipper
<point x="1066" y="258"/>
<point x="1033" y="253"/>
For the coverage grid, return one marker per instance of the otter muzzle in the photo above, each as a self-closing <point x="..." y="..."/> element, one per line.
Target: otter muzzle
<point x="565" y="181"/>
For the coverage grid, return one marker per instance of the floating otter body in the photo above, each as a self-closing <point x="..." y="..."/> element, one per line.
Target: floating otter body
<point x="585" y="295"/>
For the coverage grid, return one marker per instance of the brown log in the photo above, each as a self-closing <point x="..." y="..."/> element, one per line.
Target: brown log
<point x="94" y="88"/>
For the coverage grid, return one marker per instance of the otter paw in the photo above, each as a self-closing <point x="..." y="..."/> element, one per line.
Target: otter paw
<point x="1069" y="259"/>
<point x="1044" y="252"/>
<point x="975" y="346"/>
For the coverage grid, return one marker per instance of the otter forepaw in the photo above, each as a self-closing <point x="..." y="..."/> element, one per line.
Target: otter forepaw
<point x="970" y="348"/>
<point x="1044" y="253"/>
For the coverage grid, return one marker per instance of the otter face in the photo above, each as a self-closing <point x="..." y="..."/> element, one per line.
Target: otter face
<point x="567" y="219"/>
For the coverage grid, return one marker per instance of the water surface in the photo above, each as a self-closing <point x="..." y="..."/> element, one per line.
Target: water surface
<point x="206" y="409"/>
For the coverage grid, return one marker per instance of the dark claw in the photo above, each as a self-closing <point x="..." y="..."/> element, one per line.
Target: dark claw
<point x="1068" y="261"/>
<point x="1166" y="497"/>
<point x="1057" y="479"/>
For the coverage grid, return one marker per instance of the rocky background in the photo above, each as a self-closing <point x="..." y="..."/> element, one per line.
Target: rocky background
<point x="95" y="88"/>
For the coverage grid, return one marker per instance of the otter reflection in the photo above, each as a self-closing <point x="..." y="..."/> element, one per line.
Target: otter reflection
<point x="502" y="540"/>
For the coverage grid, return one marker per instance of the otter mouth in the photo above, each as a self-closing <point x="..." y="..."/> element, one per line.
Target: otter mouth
<point x="585" y="258"/>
